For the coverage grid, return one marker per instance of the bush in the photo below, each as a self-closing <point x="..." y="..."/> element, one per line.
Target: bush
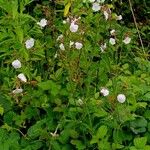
<point x="74" y="75"/>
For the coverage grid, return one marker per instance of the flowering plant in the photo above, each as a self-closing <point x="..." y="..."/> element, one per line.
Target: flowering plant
<point x="74" y="75"/>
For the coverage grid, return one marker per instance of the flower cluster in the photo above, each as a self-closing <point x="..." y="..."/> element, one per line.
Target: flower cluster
<point x="97" y="5"/>
<point x="73" y="28"/>
<point x="17" y="64"/>
<point x="120" y="97"/>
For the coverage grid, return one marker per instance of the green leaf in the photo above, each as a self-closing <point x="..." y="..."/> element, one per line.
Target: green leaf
<point x="7" y="127"/>
<point x="1" y="110"/>
<point x="147" y="114"/>
<point x="36" y="130"/>
<point x="64" y="136"/>
<point x="139" y="122"/>
<point x="96" y="95"/>
<point x="102" y="131"/>
<point x="79" y="145"/>
<point x="140" y="142"/>
<point x="50" y="85"/>
<point x="94" y="140"/>
<point x="147" y="147"/>
<point x="55" y="145"/>
<point x="66" y="10"/>
<point x="104" y="145"/>
<point x="117" y="146"/>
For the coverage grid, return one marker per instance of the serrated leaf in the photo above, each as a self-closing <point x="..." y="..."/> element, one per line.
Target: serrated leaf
<point x="50" y="85"/>
<point x="7" y="127"/>
<point x="94" y="140"/>
<point x="79" y="145"/>
<point x="117" y="146"/>
<point x="140" y="142"/>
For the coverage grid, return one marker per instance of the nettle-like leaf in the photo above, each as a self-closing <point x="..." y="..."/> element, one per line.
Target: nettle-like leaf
<point x="37" y="129"/>
<point x="79" y="144"/>
<point x="50" y="85"/>
<point x="138" y="125"/>
<point x="62" y="94"/>
<point x="140" y="142"/>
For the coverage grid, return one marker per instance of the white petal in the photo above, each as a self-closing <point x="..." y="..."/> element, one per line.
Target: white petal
<point x="22" y="77"/>
<point x="29" y="43"/>
<point x="16" y="64"/>
<point x="112" y="41"/>
<point x="42" y="23"/>
<point x="62" y="47"/>
<point x="17" y="91"/>
<point x="71" y="43"/>
<point x="74" y="27"/>
<point x="106" y="15"/>
<point x="127" y="40"/>
<point x="78" y="45"/>
<point x="59" y="37"/>
<point x="104" y="91"/>
<point x="96" y="7"/>
<point x="121" y="98"/>
<point x="103" y="47"/>
<point x="112" y="32"/>
<point x="119" y="17"/>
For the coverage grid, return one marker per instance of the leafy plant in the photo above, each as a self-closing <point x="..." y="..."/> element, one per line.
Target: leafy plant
<point x="74" y="75"/>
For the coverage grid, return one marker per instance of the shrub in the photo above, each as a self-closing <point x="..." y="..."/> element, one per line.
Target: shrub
<point x="74" y="75"/>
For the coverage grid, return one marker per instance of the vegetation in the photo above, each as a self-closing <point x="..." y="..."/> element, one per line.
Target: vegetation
<point x="75" y="74"/>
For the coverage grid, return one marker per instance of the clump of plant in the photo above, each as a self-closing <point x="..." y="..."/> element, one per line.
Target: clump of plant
<point x="73" y="76"/>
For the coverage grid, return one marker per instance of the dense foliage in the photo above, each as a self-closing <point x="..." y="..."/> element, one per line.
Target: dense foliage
<point x="75" y="74"/>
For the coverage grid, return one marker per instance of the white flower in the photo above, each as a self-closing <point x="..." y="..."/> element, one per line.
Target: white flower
<point x="54" y="134"/>
<point x="74" y="27"/>
<point x="29" y="43"/>
<point x="121" y="98"/>
<point x="62" y="47"/>
<point x="17" y="91"/>
<point x="59" y="37"/>
<point x="96" y="7"/>
<point x="78" y="45"/>
<point x="112" y="32"/>
<point x="127" y="40"/>
<point x="103" y="47"/>
<point x="42" y="23"/>
<point x="112" y="41"/>
<point x="106" y="15"/>
<point x="71" y="43"/>
<point x="16" y="64"/>
<point x="104" y="91"/>
<point x="22" y="77"/>
<point x="119" y="17"/>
